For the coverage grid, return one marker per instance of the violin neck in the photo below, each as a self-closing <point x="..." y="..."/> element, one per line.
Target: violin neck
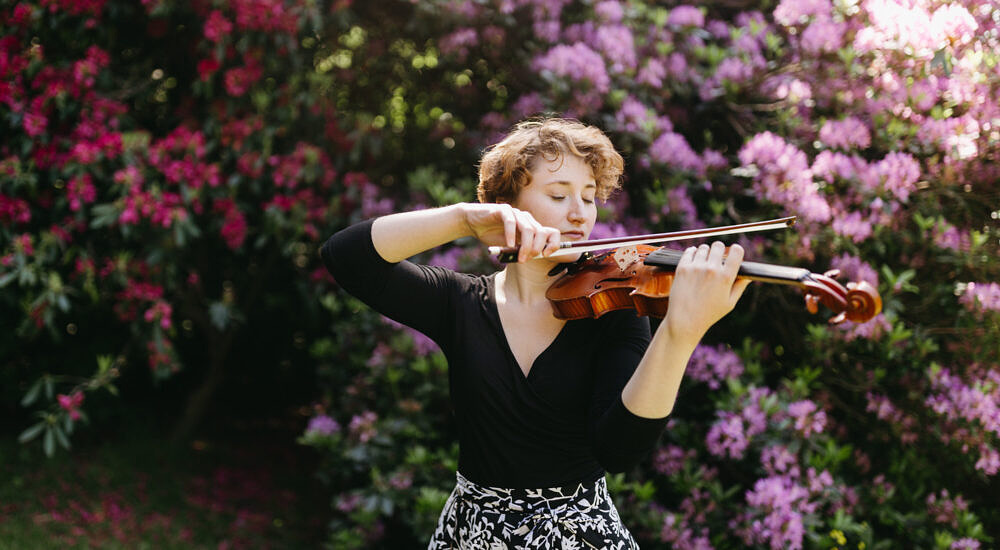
<point x="755" y="271"/>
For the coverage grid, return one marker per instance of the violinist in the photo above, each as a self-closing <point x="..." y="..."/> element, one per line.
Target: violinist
<point x="544" y="407"/>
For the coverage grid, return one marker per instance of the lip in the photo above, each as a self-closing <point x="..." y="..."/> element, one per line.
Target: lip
<point x="573" y="234"/>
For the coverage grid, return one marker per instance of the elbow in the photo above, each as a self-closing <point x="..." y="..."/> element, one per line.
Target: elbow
<point x="616" y="464"/>
<point x="616" y="461"/>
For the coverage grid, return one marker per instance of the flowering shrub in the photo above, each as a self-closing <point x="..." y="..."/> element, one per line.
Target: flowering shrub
<point x="159" y="191"/>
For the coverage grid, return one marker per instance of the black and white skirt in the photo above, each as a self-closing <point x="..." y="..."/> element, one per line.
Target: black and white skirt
<point x="579" y="517"/>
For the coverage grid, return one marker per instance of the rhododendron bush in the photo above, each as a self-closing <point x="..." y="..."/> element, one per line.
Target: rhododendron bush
<point x="167" y="173"/>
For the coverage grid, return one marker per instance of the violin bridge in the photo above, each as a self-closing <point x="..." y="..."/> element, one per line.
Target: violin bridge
<point x="626" y="256"/>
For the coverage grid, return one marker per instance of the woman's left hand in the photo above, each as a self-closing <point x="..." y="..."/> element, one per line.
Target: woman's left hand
<point x="705" y="288"/>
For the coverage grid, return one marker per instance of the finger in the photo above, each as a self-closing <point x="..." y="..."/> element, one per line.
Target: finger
<point x="527" y="236"/>
<point x="701" y="254"/>
<point x="733" y="260"/>
<point x="688" y="255"/>
<point x="553" y="241"/>
<point x="509" y="225"/>
<point x="541" y="239"/>
<point x="716" y="252"/>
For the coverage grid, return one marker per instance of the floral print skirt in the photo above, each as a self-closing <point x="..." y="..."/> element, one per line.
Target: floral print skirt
<point x="577" y="517"/>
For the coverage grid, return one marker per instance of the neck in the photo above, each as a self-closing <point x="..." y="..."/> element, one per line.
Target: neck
<point x="525" y="284"/>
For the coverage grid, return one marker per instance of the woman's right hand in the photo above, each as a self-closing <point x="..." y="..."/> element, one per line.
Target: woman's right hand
<point x="503" y="225"/>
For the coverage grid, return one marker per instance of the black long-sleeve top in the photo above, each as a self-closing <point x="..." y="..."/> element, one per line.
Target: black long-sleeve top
<point x="564" y="423"/>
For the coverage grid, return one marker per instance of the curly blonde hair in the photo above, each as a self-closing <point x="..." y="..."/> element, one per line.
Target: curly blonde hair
<point x="506" y="166"/>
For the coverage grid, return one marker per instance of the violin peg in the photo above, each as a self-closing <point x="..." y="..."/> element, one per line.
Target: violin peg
<point x="839" y="318"/>
<point x="833" y="273"/>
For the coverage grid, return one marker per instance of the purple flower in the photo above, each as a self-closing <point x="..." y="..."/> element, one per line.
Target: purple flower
<point x="458" y="42"/>
<point x="529" y="104"/>
<point x="733" y="70"/>
<point x="686" y="16"/>
<point x="714" y="364"/>
<point x="808" y="420"/>
<point x="948" y="236"/>
<point x="322" y="425"/>
<point x="673" y="150"/>
<point x="845" y="133"/>
<point x="853" y="225"/>
<point x="679" y="204"/>
<point x="653" y="73"/>
<point x="726" y="437"/>
<point x="823" y="35"/>
<point x="782" y="502"/>
<point x="777" y="459"/>
<point x="831" y="166"/>
<point x="979" y="297"/>
<point x="609" y="11"/>
<point x="854" y="269"/>
<point x="578" y="63"/>
<point x="898" y="174"/>
<point x="793" y="12"/>
<point x="633" y="116"/>
<point x="783" y="176"/>
<point x="671" y="459"/>
<point x="362" y="426"/>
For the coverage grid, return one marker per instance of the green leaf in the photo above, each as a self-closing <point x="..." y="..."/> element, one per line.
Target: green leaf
<point x="31" y="433"/>
<point x="49" y="442"/>
<point x="61" y="437"/>
<point x="32" y="395"/>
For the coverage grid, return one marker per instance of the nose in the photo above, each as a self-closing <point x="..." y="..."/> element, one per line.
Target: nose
<point x="576" y="211"/>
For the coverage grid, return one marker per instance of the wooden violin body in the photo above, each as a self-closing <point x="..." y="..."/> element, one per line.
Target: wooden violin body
<point x="606" y="283"/>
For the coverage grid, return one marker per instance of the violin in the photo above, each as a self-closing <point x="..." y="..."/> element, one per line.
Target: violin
<point x="640" y="278"/>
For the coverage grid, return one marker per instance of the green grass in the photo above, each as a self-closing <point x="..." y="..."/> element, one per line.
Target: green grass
<point x="136" y="495"/>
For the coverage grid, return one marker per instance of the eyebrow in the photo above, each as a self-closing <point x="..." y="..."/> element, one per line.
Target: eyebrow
<point x="564" y="182"/>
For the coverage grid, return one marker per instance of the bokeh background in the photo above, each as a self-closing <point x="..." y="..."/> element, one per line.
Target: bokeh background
<point x="177" y="369"/>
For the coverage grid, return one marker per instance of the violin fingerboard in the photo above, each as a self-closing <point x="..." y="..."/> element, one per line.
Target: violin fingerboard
<point x="756" y="271"/>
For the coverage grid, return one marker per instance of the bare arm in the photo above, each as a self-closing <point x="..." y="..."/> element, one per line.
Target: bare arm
<point x="399" y="236"/>
<point x="705" y="289"/>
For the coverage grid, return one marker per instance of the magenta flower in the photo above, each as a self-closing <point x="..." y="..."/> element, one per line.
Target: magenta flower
<point x="217" y="26"/>
<point x="71" y="404"/>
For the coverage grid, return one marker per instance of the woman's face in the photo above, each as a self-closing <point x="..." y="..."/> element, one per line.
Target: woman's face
<point x="561" y="194"/>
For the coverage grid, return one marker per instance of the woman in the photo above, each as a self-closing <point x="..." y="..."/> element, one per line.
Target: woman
<point x="544" y="407"/>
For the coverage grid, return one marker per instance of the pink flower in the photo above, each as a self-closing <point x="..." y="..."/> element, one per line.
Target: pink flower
<point x="71" y="403"/>
<point x="14" y="210"/>
<point x="239" y="79"/>
<point x="161" y="311"/>
<point x="217" y="26"/>
<point x="34" y="123"/>
<point x="80" y="191"/>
